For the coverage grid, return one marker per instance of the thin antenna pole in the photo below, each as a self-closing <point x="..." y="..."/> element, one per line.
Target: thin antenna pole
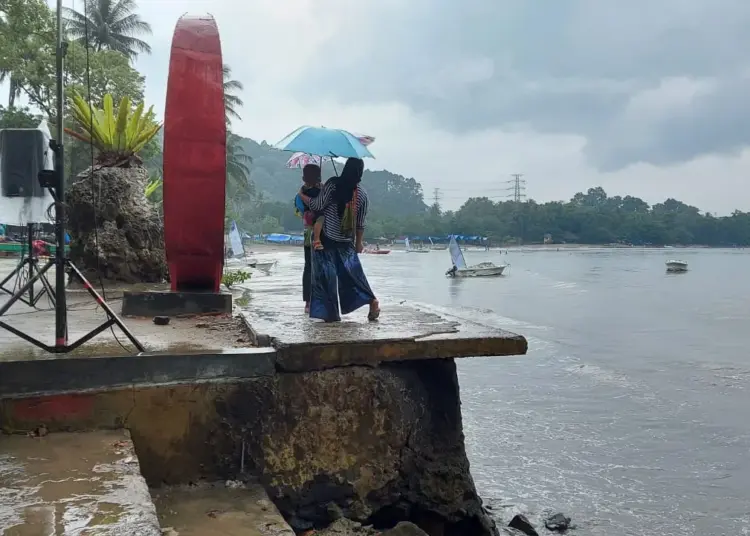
<point x="61" y="307"/>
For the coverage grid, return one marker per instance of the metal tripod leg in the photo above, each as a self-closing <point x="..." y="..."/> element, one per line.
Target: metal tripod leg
<point x="32" y="265"/>
<point x="113" y="318"/>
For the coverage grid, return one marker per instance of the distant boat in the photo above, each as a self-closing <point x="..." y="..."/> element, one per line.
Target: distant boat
<point x="677" y="266"/>
<point x="409" y="249"/>
<point x="460" y="269"/>
<point x="240" y="255"/>
<point x="376" y="251"/>
<point x="262" y="266"/>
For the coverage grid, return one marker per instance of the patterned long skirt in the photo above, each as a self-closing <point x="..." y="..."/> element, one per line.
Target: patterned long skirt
<point x="337" y="276"/>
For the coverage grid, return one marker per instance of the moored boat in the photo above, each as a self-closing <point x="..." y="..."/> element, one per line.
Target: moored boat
<point x="376" y="251"/>
<point x="410" y="249"/>
<point x="262" y="266"/>
<point x="460" y="269"/>
<point x="675" y="266"/>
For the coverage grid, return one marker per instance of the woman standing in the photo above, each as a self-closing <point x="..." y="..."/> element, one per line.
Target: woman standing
<point x="337" y="274"/>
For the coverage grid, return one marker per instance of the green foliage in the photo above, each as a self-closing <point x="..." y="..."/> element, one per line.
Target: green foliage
<point x="388" y="193"/>
<point x="25" y="26"/>
<point x="238" y="168"/>
<point x="118" y="134"/>
<point x="588" y="218"/>
<point x="397" y="208"/>
<point x="18" y="118"/>
<point x="232" y="102"/>
<point x="235" y="277"/>
<point x="111" y="26"/>
<point x="154" y="189"/>
<point x="110" y="73"/>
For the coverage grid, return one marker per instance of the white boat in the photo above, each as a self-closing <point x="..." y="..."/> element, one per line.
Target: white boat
<point x="262" y="266"/>
<point x="240" y="255"/>
<point x="409" y="249"/>
<point x="460" y="269"/>
<point x="677" y="266"/>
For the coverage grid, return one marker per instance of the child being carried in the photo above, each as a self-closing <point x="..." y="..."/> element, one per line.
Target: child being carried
<point x="311" y="187"/>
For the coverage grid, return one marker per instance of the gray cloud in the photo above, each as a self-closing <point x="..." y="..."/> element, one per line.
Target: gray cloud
<point x="577" y="66"/>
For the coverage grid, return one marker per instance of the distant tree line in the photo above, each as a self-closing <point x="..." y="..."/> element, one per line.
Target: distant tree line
<point x="397" y="208"/>
<point x="588" y="218"/>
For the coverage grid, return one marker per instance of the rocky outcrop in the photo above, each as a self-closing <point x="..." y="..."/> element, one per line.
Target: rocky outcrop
<point x="374" y="445"/>
<point x="346" y="527"/>
<point x="115" y="232"/>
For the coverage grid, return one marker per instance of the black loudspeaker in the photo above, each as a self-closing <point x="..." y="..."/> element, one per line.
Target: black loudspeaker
<point x="22" y="152"/>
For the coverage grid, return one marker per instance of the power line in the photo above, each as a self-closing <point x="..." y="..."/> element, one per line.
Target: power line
<point x="517" y="188"/>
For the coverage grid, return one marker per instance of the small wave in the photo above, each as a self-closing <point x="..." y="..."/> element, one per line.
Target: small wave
<point x="599" y="374"/>
<point x="479" y="316"/>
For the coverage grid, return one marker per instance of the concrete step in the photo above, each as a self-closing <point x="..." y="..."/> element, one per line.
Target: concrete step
<point x="218" y="510"/>
<point x="73" y="484"/>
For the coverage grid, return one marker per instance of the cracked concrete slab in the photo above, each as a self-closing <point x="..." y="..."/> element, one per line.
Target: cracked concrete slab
<point x="403" y="332"/>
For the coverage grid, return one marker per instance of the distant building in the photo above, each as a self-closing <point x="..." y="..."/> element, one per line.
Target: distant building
<point x="547" y="238"/>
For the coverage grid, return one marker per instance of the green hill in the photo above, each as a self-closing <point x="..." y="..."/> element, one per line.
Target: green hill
<point x="390" y="195"/>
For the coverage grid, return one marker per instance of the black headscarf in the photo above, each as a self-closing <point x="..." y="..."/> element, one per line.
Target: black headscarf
<point x="347" y="182"/>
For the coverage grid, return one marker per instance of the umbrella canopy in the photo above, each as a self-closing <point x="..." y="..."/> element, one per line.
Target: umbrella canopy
<point x="300" y="160"/>
<point x="323" y="141"/>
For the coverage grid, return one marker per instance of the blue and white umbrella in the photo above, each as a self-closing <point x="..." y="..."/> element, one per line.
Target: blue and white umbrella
<point x="321" y="141"/>
<point x="300" y="160"/>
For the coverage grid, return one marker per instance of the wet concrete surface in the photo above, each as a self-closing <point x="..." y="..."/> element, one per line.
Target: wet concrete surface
<point x="37" y="377"/>
<point x="217" y="510"/>
<point x="73" y="483"/>
<point x="181" y="335"/>
<point x="276" y="317"/>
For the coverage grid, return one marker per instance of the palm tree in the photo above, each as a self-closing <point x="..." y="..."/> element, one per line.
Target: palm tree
<point x="112" y="25"/>
<point x="238" y="168"/>
<point x="232" y="103"/>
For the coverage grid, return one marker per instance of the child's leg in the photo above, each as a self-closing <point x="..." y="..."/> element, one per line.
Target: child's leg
<point x="317" y="228"/>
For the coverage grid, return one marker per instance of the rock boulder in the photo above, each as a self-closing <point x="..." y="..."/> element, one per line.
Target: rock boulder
<point x="114" y="229"/>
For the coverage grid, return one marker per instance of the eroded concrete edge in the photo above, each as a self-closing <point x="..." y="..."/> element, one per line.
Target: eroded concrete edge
<point x="65" y="375"/>
<point x="310" y="356"/>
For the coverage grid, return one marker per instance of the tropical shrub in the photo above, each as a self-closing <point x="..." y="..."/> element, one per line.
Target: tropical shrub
<point x="235" y="277"/>
<point x="153" y="189"/>
<point x="117" y="134"/>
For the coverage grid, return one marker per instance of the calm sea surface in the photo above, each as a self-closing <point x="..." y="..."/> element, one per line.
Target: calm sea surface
<point x="631" y="411"/>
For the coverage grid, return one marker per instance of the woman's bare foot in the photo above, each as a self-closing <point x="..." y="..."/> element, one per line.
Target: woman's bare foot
<point x="307" y="308"/>
<point x="374" y="313"/>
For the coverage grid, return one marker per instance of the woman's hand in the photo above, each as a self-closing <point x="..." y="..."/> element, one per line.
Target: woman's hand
<point x="359" y="246"/>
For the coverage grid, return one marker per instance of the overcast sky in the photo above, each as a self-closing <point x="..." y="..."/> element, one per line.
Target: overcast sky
<point x="643" y="97"/>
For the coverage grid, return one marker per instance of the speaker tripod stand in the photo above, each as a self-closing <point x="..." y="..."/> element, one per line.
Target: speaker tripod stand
<point x="29" y="269"/>
<point x="61" y="338"/>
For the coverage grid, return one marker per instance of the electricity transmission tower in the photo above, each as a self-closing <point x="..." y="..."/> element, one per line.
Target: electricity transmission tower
<point x="436" y="196"/>
<point x="517" y="187"/>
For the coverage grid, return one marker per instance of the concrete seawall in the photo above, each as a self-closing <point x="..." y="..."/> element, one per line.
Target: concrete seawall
<point x="356" y="421"/>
